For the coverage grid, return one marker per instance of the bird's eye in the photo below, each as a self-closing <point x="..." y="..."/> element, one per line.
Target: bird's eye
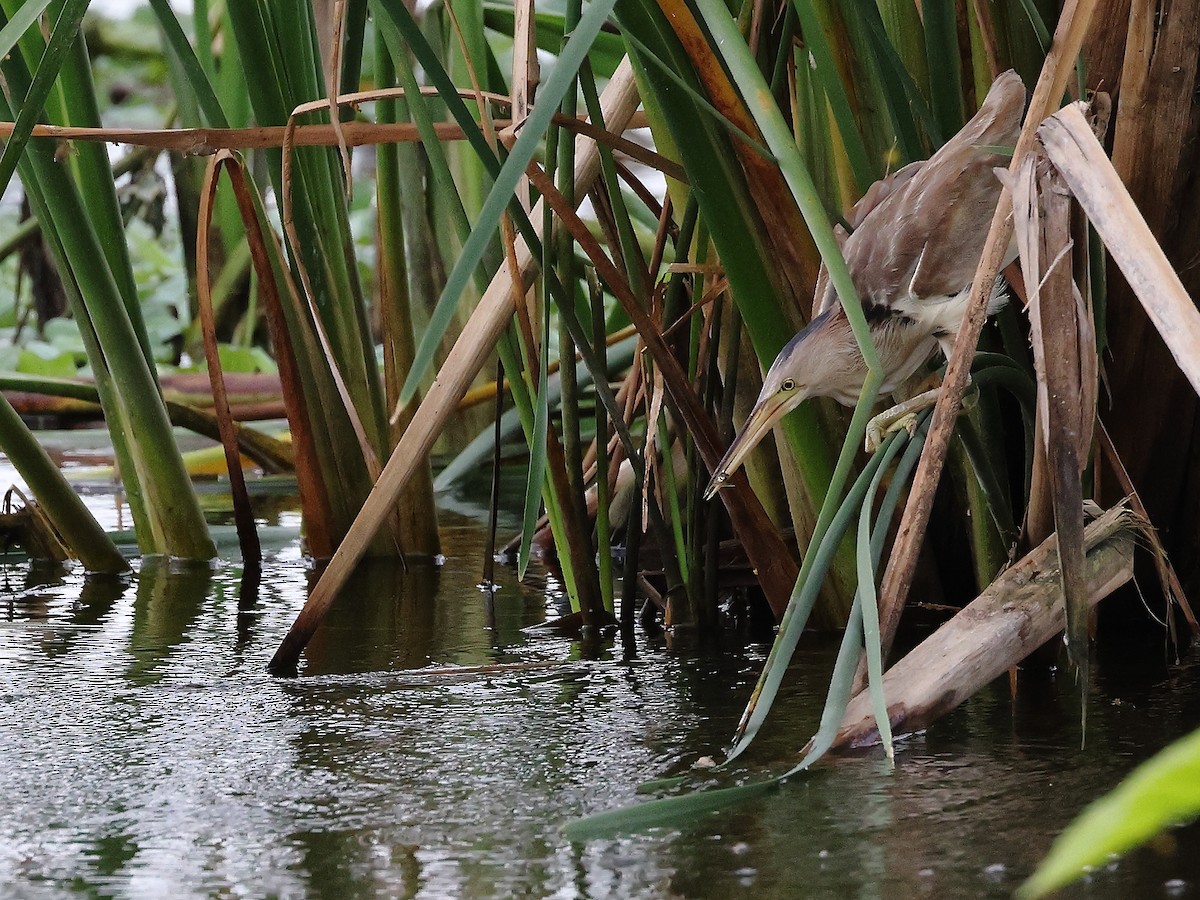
<point x="788" y="385"/>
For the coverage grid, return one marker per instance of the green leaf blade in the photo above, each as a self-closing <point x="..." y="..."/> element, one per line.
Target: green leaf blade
<point x="1161" y="792"/>
<point x="551" y="94"/>
<point x="66" y="29"/>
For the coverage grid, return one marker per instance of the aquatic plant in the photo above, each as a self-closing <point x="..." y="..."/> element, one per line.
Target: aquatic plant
<point x="769" y="124"/>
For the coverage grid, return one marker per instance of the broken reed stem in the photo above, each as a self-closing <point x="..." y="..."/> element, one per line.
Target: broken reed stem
<point x="492" y="315"/>
<point x="897" y="580"/>
<point x="207" y="141"/>
<point x="1018" y="613"/>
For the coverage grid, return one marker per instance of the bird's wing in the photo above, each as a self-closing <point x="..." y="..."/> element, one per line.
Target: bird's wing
<point x="825" y="296"/>
<point x="927" y="235"/>
<point x="957" y="192"/>
<point x="881" y="190"/>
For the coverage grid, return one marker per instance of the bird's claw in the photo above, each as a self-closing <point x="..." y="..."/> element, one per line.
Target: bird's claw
<point x="904" y="415"/>
<point x="882" y="425"/>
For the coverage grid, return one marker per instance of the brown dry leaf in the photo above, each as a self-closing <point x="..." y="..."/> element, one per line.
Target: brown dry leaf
<point x="314" y="498"/>
<point x="1059" y="329"/>
<point x="243" y="515"/>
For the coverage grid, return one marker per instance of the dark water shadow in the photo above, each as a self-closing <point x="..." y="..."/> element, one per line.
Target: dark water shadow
<point x="170" y="598"/>
<point x="386" y="617"/>
<point x="47" y="594"/>
<point x="247" y="606"/>
<point x="337" y="864"/>
<point x="390" y="618"/>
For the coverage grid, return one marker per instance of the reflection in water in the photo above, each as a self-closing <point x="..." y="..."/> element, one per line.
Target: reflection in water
<point x="388" y="617"/>
<point x="97" y="598"/>
<point x="170" y="597"/>
<point x="148" y="754"/>
<point x="247" y="603"/>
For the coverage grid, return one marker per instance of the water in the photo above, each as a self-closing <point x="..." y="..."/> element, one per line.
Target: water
<point x="145" y="752"/>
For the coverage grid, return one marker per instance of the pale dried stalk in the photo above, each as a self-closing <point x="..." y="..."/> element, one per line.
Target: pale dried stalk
<point x="525" y="72"/>
<point x="1062" y="333"/>
<point x="333" y="78"/>
<point x="469" y="352"/>
<point x="1080" y="158"/>
<point x="525" y="77"/>
<point x="1019" y="612"/>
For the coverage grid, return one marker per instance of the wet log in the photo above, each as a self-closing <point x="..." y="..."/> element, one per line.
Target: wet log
<point x="1018" y="613"/>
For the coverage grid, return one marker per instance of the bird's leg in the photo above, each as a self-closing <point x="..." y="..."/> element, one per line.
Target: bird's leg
<point x="902" y="415"/>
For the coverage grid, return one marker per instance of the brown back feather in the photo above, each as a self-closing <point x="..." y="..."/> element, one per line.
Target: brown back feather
<point x="876" y="194"/>
<point x="927" y="228"/>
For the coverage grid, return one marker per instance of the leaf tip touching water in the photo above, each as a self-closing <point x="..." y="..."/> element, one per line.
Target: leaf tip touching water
<point x="668" y="812"/>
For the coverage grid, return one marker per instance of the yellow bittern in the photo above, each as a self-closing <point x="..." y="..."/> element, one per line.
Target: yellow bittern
<point x="918" y="236"/>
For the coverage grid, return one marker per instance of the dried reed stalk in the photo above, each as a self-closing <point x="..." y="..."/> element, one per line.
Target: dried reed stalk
<point x="1019" y="612"/>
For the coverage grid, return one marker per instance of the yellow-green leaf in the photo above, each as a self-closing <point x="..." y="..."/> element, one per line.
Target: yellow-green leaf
<point x="1161" y="792"/>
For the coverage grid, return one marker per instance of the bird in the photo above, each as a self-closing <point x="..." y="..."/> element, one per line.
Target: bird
<point x="917" y="239"/>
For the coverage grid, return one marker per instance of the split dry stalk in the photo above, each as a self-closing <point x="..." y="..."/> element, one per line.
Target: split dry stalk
<point x="1064" y="360"/>
<point x="1076" y="153"/>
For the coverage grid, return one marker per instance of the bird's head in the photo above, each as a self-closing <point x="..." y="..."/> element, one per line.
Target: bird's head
<point x="799" y="372"/>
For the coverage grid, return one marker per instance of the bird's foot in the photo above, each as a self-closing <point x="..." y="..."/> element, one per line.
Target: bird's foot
<point x="877" y="431"/>
<point x="905" y="415"/>
<point x="901" y="416"/>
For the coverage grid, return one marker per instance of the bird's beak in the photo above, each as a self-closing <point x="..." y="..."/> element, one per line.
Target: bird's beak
<point x="767" y="411"/>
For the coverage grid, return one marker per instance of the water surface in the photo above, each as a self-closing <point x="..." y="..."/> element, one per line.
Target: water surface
<point x="145" y="752"/>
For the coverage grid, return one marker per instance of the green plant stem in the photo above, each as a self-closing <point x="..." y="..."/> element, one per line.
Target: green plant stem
<point x="779" y="139"/>
<point x="832" y="524"/>
<point x="166" y="512"/>
<point x="74" y="521"/>
<point x="417" y="512"/>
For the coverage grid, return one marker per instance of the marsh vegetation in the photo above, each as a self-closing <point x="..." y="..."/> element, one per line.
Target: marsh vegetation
<point x="566" y="241"/>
